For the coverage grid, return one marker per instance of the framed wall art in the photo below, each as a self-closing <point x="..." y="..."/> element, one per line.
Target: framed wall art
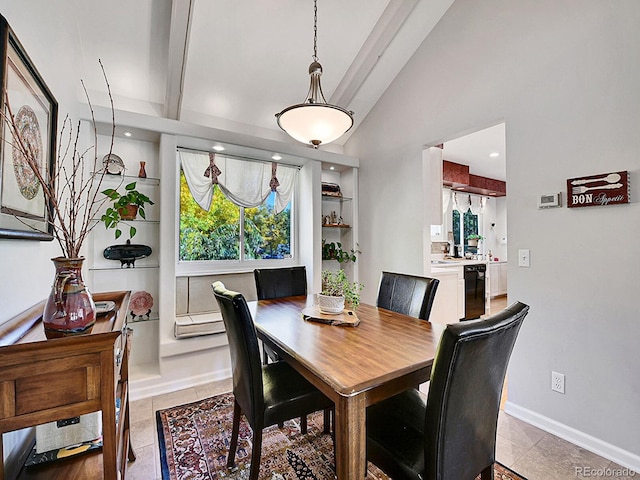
<point x="24" y="211"/>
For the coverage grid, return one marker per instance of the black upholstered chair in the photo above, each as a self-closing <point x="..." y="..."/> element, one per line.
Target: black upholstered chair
<point x="280" y="282"/>
<point x="407" y="294"/>
<point x="277" y="283"/>
<point x="265" y="394"/>
<point x="451" y="436"/>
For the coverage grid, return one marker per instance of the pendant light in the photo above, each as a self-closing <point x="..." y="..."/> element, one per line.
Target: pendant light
<point x="315" y="121"/>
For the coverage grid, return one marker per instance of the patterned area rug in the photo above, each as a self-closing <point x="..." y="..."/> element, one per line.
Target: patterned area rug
<point x="194" y="442"/>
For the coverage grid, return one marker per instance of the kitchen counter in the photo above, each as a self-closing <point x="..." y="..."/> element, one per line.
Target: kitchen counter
<point x="456" y="263"/>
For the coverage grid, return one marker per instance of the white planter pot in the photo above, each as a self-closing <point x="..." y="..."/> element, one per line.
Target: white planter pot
<point x="328" y="304"/>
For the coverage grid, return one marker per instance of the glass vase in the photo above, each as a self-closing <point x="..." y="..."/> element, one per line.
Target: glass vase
<point x="69" y="310"/>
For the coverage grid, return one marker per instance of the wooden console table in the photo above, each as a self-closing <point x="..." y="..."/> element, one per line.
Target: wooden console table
<point x="48" y="380"/>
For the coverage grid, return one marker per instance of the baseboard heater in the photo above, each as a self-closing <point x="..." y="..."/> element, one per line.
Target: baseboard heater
<point x="195" y="325"/>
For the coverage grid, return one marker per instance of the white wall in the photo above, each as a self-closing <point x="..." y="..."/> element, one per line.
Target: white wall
<point x="564" y="77"/>
<point x="496" y="212"/>
<point x="27" y="271"/>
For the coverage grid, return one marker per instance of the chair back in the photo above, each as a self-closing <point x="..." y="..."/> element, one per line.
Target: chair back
<point x="464" y="394"/>
<point x="407" y="294"/>
<point x="280" y="282"/>
<point x="245" y="354"/>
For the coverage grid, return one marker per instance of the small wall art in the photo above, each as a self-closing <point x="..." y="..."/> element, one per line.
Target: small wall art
<point x="598" y="190"/>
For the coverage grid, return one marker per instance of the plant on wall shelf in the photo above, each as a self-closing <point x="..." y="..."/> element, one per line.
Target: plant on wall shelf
<point x="334" y="251"/>
<point x="126" y="206"/>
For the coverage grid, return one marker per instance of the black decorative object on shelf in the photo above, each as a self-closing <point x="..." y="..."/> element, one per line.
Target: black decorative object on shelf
<point x="127" y="253"/>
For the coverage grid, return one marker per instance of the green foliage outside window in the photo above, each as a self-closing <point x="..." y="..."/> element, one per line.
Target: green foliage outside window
<point x="470" y="226"/>
<point x="215" y="235"/>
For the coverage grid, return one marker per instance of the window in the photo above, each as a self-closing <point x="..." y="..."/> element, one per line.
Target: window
<point x="468" y="225"/>
<point x="230" y="232"/>
<point x="469" y="222"/>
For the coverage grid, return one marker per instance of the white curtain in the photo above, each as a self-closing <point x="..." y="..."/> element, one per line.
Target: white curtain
<point x="446" y="198"/>
<point x="461" y="202"/>
<point x="246" y="183"/>
<point x="477" y="204"/>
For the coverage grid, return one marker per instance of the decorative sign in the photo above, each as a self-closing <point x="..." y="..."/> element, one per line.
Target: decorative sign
<point x="604" y="189"/>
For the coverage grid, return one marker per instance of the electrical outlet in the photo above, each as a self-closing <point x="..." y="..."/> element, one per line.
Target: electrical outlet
<point x="557" y="382"/>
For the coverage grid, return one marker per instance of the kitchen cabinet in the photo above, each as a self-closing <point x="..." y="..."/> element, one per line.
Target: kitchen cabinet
<point x="498" y="278"/>
<point x="458" y="272"/>
<point x="44" y="380"/>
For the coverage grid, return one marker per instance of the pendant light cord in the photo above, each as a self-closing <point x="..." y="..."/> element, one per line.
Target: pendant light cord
<point x="315" y="30"/>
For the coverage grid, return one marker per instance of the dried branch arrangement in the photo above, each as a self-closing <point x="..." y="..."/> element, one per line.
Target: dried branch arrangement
<point x="73" y="194"/>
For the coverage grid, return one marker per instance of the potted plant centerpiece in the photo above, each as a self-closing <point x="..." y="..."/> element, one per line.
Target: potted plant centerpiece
<point x="125" y="206"/>
<point x="336" y="291"/>
<point x="473" y="240"/>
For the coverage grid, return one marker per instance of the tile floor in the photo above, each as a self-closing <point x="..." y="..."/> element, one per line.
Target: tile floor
<point x="526" y="449"/>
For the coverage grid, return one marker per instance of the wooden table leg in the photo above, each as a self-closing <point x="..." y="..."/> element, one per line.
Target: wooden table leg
<point x="350" y="438"/>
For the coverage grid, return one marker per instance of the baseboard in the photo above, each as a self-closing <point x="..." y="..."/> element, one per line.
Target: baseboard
<point x="150" y="387"/>
<point x="611" y="452"/>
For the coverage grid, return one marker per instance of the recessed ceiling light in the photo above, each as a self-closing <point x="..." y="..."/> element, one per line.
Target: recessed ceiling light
<point x="276" y="156"/>
<point x="332" y="167"/>
<point x="218" y="148"/>
<point x="494" y="154"/>
<point x="127" y="134"/>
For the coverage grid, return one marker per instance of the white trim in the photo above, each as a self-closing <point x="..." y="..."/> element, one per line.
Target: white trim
<point x="150" y="387"/>
<point x="581" y="439"/>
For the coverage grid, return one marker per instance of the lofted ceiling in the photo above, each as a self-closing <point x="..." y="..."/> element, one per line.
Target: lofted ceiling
<point x="233" y="65"/>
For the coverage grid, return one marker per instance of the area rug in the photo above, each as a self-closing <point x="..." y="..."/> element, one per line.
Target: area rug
<point x="194" y="443"/>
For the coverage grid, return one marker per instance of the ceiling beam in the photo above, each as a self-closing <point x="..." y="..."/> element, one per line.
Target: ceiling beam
<point x="383" y="33"/>
<point x="181" y="11"/>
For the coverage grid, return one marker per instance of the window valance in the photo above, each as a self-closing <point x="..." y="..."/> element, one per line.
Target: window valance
<point x="246" y="183"/>
<point x="464" y="201"/>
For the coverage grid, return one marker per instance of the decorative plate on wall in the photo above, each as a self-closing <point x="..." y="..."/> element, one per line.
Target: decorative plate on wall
<point x="113" y="164"/>
<point x="140" y="305"/>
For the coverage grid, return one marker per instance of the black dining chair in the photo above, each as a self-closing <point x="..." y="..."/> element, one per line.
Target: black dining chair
<point x="407" y="294"/>
<point x="451" y="436"/>
<point x="265" y="394"/>
<point x="278" y="283"/>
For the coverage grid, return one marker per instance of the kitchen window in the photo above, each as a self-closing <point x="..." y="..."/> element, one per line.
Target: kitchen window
<point x="466" y="219"/>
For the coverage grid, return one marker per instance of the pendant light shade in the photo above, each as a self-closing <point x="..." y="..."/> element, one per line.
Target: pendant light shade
<point x="315" y="121"/>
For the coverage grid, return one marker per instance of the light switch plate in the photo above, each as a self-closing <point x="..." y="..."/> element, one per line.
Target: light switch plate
<point x="523" y="258"/>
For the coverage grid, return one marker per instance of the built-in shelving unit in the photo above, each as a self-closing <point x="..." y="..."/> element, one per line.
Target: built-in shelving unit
<point x="143" y="276"/>
<point x="339" y="219"/>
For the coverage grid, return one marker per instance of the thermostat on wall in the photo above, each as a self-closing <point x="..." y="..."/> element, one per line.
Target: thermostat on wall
<point x="550" y="200"/>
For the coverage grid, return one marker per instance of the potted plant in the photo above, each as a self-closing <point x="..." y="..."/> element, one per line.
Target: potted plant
<point x="473" y="239"/>
<point x="338" y="290"/>
<point x="126" y="206"/>
<point x="333" y="251"/>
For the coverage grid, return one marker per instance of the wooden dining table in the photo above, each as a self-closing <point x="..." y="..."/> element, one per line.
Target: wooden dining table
<point x="385" y="354"/>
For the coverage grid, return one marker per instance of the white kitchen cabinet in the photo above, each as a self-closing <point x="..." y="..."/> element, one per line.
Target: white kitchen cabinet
<point x="456" y="280"/>
<point x="498" y="278"/>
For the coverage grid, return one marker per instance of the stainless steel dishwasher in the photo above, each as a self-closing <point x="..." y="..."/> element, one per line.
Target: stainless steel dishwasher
<point x="475" y="277"/>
